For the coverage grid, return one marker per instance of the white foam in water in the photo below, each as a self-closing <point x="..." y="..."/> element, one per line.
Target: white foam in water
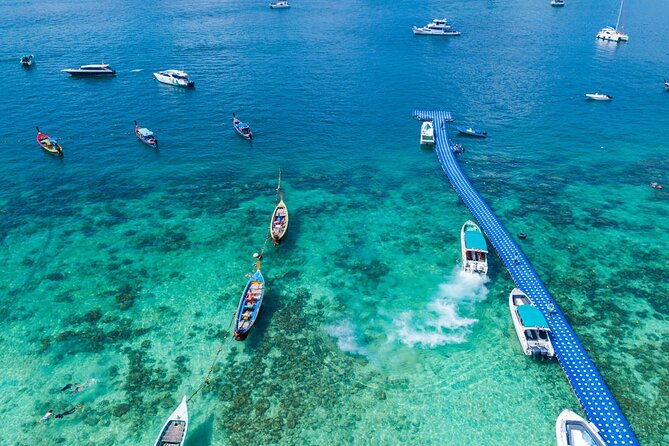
<point x="441" y="323"/>
<point x="136" y="70"/>
<point x="347" y="339"/>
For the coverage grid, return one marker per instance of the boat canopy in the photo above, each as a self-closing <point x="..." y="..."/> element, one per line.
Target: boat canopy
<point x="475" y="240"/>
<point x="145" y="132"/>
<point x="532" y="317"/>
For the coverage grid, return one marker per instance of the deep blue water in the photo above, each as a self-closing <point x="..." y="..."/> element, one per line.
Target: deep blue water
<point x="124" y="264"/>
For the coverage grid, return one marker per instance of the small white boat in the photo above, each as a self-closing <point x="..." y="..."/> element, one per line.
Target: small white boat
<point x="427" y="133"/>
<point x="438" y="27"/>
<point x="91" y="70"/>
<point x="573" y="430"/>
<point x="531" y="325"/>
<point x="666" y="84"/>
<point x="613" y="33"/>
<point x="474" y="249"/>
<point x="27" y="60"/>
<point x="557" y="2"/>
<point x="281" y="4"/>
<point x="598" y="96"/>
<point x="174" y="77"/>
<point x="175" y="428"/>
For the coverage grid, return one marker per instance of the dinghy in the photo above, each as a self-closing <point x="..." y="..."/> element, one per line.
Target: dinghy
<point x="531" y="325"/>
<point x="242" y="128"/>
<point x="427" y="133"/>
<point x="175" y="428"/>
<point x="146" y="136"/>
<point x="598" y="96"/>
<point x="48" y="143"/>
<point x="249" y="305"/>
<point x="573" y="430"/>
<point x="474" y="249"/>
<point x="469" y="131"/>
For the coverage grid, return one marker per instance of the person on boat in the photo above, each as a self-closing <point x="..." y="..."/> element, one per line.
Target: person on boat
<point x="46" y="416"/>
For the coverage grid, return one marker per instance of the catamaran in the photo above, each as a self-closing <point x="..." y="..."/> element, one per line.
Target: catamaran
<point x="612" y="33"/>
<point x="530" y="324"/>
<point x="474" y="249"/>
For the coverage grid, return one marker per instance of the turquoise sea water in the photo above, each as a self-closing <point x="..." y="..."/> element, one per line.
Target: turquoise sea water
<point x="124" y="264"/>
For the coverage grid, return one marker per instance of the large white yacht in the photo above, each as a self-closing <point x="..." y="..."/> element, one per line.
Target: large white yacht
<point x="474" y="249"/>
<point x="438" y="27"/>
<point x="174" y="77"/>
<point x="573" y="430"/>
<point x="91" y="70"/>
<point x="530" y="324"/>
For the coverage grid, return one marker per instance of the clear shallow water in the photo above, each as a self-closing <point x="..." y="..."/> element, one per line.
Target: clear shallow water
<point x="125" y="264"/>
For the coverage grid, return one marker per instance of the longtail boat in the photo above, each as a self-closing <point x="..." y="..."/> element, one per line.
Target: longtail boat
<point x="146" y="136"/>
<point x="242" y="128"/>
<point x="249" y="305"/>
<point x="175" y="428"/>
<point x="48" y="143"/>
<point x="278" y="225"/>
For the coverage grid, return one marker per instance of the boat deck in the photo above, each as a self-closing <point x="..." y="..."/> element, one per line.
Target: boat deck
<point x="585" y="380"/>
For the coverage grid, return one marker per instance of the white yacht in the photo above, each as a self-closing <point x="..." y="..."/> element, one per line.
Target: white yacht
<point x="530" y="324"/>
<point x="174" y="77"/>
<point x="427" y="133"/>
<point x="612" y="33"/>
<point x="573" y="430"/>
<point x="474" y="249"/>
<point x="598" y="96"/>
<point x="281" y="4"/>
<point x="91" y="70"/>
<point x="557" y="2"/>
<point x="438" y="27"/>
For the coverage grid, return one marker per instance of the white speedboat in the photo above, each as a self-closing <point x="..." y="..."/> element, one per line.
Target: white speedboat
<point x="573" y="430"/>
<point x="91" y="70"/>
<point x="557" y="2"/>
<point x="530" y="324"/>
<point x="598" y="96"/>
<point x="613" y="33"/>
<point x="282" y="4"/>
<point x="175" y="428"/>
<point x="474" y="249"/>
<point x="427" y="133"/>
<point x="666" y="84"/>
<point x="438" y="27"/>
<point x="174" y="77"/>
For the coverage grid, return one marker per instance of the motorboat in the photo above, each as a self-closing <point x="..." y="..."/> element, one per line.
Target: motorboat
<point x="598" y="96"/>
<point x="469" y="131"/>
<point x="146" y="136"/>
<point x="48" y="143"/>
<point x="531" y="325"/>
<point x="242" y="128"/>
<point x="282" y="4"/>
<point x="438" y="27"/>
<point x="474" y="249"/>
<point x="175" y="428"/>
<point x="427" y="133"/>
<point x="666" y="84"/>
<point x="91" y="71"/>
<point x="249" y="305"/>
<point x="573" y="430"/>
<point x="27" y="60"/>
<point x="177" y="78"/>
<point x="614" y="33"/>
<point x="557" y="2"/>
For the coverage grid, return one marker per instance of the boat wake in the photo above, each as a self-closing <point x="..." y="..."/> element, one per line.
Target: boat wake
<point x="137" y="70"/>
<point x="347" y="338"/>
<point x="443" y="322"/>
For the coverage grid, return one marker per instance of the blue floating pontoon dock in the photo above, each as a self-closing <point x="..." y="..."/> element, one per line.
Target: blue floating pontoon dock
<point x="586" y="381"/>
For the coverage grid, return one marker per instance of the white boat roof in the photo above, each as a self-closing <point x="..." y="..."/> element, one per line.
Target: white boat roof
<point x="177" y="72"/>
<point x="145" y="132"/>
<point x="83" y="67"/>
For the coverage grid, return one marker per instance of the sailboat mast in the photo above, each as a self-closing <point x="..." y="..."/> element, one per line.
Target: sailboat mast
<point x="620" y="11"/>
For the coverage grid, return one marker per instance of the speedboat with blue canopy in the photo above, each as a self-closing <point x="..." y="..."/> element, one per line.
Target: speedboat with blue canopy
<point x="249" y="305"/>
<point x="474" y="249"/>
<point x="242" y="128"/>
<point x="146" y="136"/>
<point x="469" y="131"/>
<point x="573" y="430"/>
<point x="531" y="325"/>
<point x="427" y="133"/>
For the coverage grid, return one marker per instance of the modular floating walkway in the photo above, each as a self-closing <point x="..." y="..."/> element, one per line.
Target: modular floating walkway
<point x="586" y="381"/>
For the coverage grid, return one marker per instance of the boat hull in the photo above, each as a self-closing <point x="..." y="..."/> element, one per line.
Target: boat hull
<point x="169" y="80"/>
<point x="247" y="311"/>
<point x="430" y="32"/>
<point x="239" y="129"/>
<point x="176" y="426"/>
<point x="82" y="73"/>
<point x="279" y="226"/>
<point x="46" y="143"/>
<point x="472" y="132"/>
